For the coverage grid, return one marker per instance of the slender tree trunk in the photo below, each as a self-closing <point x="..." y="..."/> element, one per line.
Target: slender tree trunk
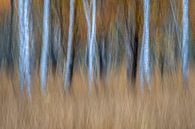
<point x="91" y="37"/>
<point x="32" y="50"/>
<point x="185" y="41"/>
<point x="54" y="37"/>
<point x="27" y="45"/>
<point x="56" y="33"/>
<point x="87" y="12"/>
<point x="128" y="43"/>
<point x="131" y="42"/>
<point x="24" y="61"/>
<point x="69" y="61"/>
<point x="102" y="45"/>
<point x="59" y="11"/>
<point x="45" y="42"/>
<point x="92" y="43"/>
<point x="21" y="43"/>
<point x="9" y="53"/>
<point x="144" y="60"/>
<point x="136" y="42"/>
<point x="55" y="46"/>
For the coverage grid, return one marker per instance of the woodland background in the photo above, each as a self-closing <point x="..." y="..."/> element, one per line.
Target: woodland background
<point x="114" y="103"/>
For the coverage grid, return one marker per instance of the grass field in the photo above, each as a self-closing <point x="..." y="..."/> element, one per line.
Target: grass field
<point x="111" y="106"/>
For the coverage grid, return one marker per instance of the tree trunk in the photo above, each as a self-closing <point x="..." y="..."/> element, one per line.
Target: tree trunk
<point x="185" y="41"/>
<point x="10" y="66"/>
<point x="45" y="42"/>
<point x="144" y="60"/>
<point x="70" y="54"/>
<point x="24" y="37"/>
<point x="91" y="37"/>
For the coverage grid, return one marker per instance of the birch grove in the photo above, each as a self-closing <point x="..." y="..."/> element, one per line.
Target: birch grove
<point x="68" y="38"/>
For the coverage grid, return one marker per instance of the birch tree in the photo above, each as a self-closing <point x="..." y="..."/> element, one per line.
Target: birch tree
<point x="185" y="41"/>
<point x="69" y="61"/>
<point x="144" y="59"/>
<point x="90" y="14"/>
<point x="24" y="65"/>
<point x="45" y="42"/>
<point x="32" y="43"/>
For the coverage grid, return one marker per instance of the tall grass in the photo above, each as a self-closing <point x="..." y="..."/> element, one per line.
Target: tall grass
<point x="113" y="105"/>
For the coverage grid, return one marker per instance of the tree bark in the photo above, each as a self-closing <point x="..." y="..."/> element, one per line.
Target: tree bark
<point x="45" y="42"/>
<point x="144" y="60"/>
<point x="70" y="53"/>
<point x="185" y="41"/>
<point x="24" y="37"/>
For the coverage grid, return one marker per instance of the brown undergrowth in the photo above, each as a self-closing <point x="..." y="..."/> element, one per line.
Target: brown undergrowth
<point x="111" y="106"/>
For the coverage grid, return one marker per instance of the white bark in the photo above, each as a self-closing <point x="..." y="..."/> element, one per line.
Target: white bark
<point x="45" y="42"/>
<point x="144" y="60"/>
<point x="69" y="60"/>
<point x="185" y="40"/>
<point x="92" y="43"/>
<point x="24" y="39"/>
<point x="21" y="43"/>
<point x="90" y="8"/>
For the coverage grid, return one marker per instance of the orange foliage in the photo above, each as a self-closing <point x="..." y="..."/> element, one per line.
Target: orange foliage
<point x="4" y="5"/>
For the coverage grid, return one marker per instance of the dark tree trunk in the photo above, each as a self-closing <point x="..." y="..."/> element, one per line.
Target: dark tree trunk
<point x="136" y="42"/>
<point x="52" y="41"/>
<point x="102" y="47"/>
<point x="69" y="76"/>
<point x="9" y="53"/>
<point x="131" y="42"/>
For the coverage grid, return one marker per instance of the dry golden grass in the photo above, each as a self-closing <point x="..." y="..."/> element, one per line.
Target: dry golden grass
<point x="113" y="106"/>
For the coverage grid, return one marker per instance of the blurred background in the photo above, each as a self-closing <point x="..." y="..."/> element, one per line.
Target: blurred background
<point x="115" y="101"/>
<point x="165" y="31"/>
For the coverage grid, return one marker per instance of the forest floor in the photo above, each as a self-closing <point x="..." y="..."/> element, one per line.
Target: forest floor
<point x="111" y="106"/>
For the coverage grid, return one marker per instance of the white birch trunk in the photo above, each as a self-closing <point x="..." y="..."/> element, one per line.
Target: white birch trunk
<point x="69" y="60"/>
<point x="45" y="42"/>
<point x="144" y="60"/>
<point x="24" y="39"/>
<point x="21" y="43"/>
<point x="90" y="8"/>
<point x="185" y="41"/>
<point x="92" y="43"/>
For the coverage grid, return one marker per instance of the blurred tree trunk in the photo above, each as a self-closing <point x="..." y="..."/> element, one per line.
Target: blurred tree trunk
<point x="90" y="14"/>
<point x="131" y="39"/>
<point x="92" y="43"/>
<point x="144" y="59"/>
<point x="10" y="62"/>
<point x="70" y="51"/>
<point x="24" y="37"/>
<point x="185" y="41"/>
<point x="103" y="42"/>
<point x="136" y="42"/>
<point x="45" y="42"/>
